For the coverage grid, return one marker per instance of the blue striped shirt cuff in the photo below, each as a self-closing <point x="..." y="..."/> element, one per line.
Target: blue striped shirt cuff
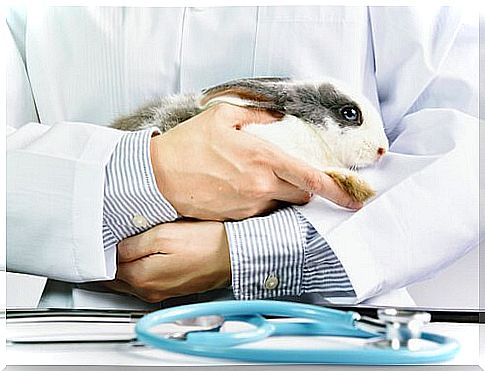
<point x="322" y="270"/>
<point x="132" y="201"/>
<point x="283" y="255"/>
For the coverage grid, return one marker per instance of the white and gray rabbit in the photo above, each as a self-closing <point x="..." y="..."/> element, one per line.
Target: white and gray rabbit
<point x="325" y="124"/>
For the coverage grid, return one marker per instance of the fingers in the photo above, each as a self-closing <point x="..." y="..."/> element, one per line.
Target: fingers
<point x="138" y="246"/>
<point x="261" y="116"/>
<point x="152" y="279"/>
<point x="311" y="180"/>
<point x="287" y="192"/>
<point x="235" y="116"/>
<point x="269" y="207"/>
<point x="119" y="286"/>
<point x="133" y="273"/>
<point x="296" y="172"/>
<point x="150" y="296"/>
<point x="142" y="275"/>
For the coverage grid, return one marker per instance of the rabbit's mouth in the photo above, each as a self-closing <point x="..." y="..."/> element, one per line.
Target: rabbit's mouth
<point x="368" y="154"/>
<point x="355" y="167"/>
<point x="360" y="165"/>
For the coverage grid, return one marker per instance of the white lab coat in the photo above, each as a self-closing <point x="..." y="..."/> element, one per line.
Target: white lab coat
<point x="92" y="64"/>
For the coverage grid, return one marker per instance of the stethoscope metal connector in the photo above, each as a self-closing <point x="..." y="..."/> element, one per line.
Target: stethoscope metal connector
<point x="402" y="329"/>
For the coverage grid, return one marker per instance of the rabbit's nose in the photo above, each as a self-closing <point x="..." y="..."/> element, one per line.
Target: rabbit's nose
<point x="381" y="151"/>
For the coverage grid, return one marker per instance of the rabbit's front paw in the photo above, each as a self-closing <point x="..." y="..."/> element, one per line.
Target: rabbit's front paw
<point x="352" y="184"/>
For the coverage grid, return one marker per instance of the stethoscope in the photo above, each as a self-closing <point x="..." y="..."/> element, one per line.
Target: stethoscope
<point x="394" y="338"/>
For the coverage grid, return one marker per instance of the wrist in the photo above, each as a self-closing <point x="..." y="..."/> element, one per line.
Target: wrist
<point x="173" y="180"/>
<point x="225" y="257"/>
<point x="157" y="163"/>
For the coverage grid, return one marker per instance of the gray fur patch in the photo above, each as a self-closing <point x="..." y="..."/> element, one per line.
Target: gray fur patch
<point x="164" y="113"/>
<point x="315" y="103"/>
<point x="311" y="103"/>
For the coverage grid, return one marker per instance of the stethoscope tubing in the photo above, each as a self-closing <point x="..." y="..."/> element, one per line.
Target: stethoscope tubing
<point x="245" y="311"/>
<point x="225" y="345"/>
<point x="249" y="308"/>
<point x="368" y="356"/>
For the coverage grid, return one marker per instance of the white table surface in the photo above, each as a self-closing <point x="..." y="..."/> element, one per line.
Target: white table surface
<point x="128" y="355"/>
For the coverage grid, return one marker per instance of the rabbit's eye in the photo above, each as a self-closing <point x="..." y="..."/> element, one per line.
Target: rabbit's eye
<point x="351" y="113"/>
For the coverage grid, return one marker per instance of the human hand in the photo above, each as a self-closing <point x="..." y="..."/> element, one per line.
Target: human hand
<point x="208" y="169"/>
<point x="173" y="259"/>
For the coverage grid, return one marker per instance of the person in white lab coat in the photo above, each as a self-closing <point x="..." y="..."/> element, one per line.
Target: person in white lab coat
<point x="92" y="64"/>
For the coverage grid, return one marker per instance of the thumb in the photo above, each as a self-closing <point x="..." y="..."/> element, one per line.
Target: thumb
<point x="139" y="246"/>
<point x="259" y="116"/>
<point x="236" y="116"/>
<point x="311" y="180"/>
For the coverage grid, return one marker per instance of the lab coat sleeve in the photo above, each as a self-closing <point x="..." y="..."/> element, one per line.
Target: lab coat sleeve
<point x="19" y="100"/>
<point x="55" y="195"/>
<point x="426" y="71"/>
<point x="282" y="254"/>
<point x="55" y="178"/>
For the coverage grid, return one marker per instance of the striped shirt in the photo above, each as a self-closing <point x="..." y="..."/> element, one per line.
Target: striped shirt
<point x="275" y="255"/>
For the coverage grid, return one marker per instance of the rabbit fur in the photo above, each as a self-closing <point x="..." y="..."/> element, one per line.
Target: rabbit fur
<point x="325" y="123"/>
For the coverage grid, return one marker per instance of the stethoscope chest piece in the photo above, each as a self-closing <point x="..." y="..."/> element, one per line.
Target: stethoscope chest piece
<point x="403" y="329"/>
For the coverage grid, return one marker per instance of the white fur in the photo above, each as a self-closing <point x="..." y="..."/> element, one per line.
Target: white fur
<point x="292" y="135"/>
<point x="297" y="138"/>
<point x="328" y="145"/>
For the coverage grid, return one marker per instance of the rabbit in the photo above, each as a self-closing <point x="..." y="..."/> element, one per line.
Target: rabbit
<point x="324" y="123"/>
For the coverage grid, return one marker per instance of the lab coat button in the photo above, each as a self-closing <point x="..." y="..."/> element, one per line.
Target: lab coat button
<point x="139" y="221"/>
<point x="271" y="282"/>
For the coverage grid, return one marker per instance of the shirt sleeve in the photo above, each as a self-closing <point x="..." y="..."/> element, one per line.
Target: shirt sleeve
<point x="282" y="254"/>
<point x="132" y="203"/>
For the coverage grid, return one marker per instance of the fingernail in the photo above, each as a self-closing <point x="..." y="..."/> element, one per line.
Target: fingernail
<point x="356" y="205"/>
<point x="276" y="114"/>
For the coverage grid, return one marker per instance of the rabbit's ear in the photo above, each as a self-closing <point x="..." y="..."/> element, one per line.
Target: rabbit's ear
<point x="264" y="92"/>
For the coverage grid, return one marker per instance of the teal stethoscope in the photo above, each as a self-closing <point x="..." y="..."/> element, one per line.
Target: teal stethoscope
<point x="394" y="338"/>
